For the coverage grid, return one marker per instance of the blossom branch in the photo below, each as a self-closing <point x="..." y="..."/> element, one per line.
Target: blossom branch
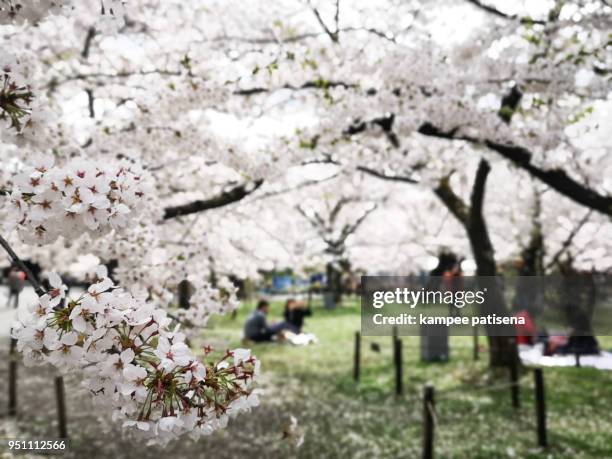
<point x="315" y="84"/>
<point x="15" y="258"/>
<point x="91" y="33"/>
<point x="225" y="198"/>
<point x="521" y="157"/>
<point x="500" y="14"/>
<point x="301" y="36"/>
<point x="568" y="241"/>
<point x="332" y="35"/>
<point x="133" y="362"/>
<point x="382" y="175"/>
<point x="304" y="184"/>
<point x="54" y="83"/>
<point x="452" y="201"/>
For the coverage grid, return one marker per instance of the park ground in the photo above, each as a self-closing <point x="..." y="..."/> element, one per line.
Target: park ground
<point x="340" y="418"/>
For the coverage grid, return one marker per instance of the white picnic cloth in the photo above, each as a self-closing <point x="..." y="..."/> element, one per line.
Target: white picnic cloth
<point x="534" y="356"/>
<point x="300" y="339"/>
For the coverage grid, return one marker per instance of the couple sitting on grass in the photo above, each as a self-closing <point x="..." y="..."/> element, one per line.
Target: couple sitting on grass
<point x="257" y="329"/>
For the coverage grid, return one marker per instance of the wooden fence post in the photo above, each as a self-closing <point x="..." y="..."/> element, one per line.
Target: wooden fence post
<point x="476" y="351"/>
<point x="394" y="337"/>
<point x="12" y="379"/>
<point x="357" y="357"/>
<point x="60" y="399"/>
<point x="428" y="422"/>
<point x="399" y="384"/>
<point x="540" y="399"/>
<point x="514" y="384"/>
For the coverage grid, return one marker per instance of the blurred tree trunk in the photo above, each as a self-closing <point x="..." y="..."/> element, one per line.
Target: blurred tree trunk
<point x="578" y="299"/>
<point x="185" y="290"/>
<point x="334" y="283"/>
<point x="532" y="256"/>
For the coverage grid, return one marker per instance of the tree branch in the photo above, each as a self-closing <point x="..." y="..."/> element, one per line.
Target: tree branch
<point x="225" y="198"/>
<point x="452" y="201"/>
<point x="478" y="189"/>
<point x="299" y="37"/>
<point x="31" y="278"/>
<point x="90" y="102"/>
<point x="336" y="209"/>
<point x="316" y="84"/>
<point x="500" y="14"/>
<point x="91" y="33"/>
<point x="315" y="220"/>
<point x="383" y="176"/>
<point x="332" y="35"/>
<point x="350" y="229"/>
<point x="568" y="241"/>
<point x="557" y="179"/>
<point x="337" y="16"/>
<point x="384" y="122"/>
<point x="54" y="83"/>
<point x="305" y="184"/>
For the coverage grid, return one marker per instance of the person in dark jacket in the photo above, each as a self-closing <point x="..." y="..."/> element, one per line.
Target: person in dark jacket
<point x="295" y="311"/>
<point x="256" y="327"/>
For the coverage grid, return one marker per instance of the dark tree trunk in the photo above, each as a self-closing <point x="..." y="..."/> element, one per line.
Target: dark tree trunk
<point x="532" y="256"/>
<point x="503" y="349"/>
<point x="184" y="294"/>
<point x="227" y="197"/>
<point x="578" y="299"/>
<point x="334" y="283"/>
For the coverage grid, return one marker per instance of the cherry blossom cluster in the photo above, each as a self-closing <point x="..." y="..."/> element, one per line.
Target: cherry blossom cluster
<point x="15" y="99"/>
<point x="82" y="196"/>
<point x="33" y="11"/>
<point x="134" y="362"/>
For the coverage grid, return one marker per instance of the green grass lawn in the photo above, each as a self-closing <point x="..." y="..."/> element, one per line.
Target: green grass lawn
<point x="342" y="418"/>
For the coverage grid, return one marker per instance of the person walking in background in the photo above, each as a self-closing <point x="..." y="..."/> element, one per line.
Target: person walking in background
<point x="16" y="283"/>
<point x="453" y="282"/>
<point x="294" y="313"/>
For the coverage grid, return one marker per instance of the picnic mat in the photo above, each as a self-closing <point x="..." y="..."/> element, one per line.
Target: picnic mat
<point x="533" y="356"/>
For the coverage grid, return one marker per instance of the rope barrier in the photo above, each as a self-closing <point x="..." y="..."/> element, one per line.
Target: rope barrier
<point x="371" y="339"/>
<point x="495" y="387"/>
<point x="433" y="413"/>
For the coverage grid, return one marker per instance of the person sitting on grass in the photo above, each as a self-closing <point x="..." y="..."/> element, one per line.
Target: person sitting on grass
<point x="256" y="327"/>
<point x="295" y="311"/>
